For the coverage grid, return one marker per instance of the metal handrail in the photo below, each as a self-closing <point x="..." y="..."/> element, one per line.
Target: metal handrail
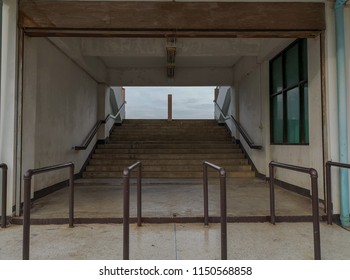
<point x="329" y="208"/>
<point x="26" y="203"/>
<point x="96" y="127"/>
<point x="223" y="209"/>
<point x="240" y="129"/>
<point x="126" y="214"/>
<point x="314" y="188"/>
<point x="4" y="168"/>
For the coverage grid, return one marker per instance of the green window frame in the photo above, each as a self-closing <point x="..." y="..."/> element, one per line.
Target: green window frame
<point x="289" y="114"/>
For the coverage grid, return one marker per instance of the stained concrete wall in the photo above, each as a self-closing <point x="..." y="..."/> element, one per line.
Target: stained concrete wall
<point x="59" y="109"/>
<point x="252" y="106"/>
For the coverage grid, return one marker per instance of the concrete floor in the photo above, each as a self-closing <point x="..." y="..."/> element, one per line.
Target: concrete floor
<point x="246" y="241"/>
<point x="103" y="199"/>
<point x="182" y="198"/>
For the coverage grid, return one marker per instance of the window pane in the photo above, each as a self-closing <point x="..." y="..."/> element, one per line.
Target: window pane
<point x="306" y="114"/>
<point x="277" y="75"/>
<point x="277" y="105"/>
<point x="293" y="116"/>
<point x="292" y="66"/>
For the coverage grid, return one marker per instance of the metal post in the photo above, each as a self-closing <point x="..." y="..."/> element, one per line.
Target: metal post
<point x="315" y="214"/>
<point x="26" y="215"/>
<point x="205" y="194"/>
<point x="223" y="214"/>
<point x="4" y="195"/>
<point x="329" y="193"/>
<point x="71" y="196"/>
<point x="126" y="175"/>
<point x="272" y="195"/>
<point x="170" y="107"/>
<point x="139" y="198"/>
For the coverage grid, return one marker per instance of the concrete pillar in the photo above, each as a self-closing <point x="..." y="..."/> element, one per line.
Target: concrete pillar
<point x="8" y="102"/>
<point x="170" y="107"/>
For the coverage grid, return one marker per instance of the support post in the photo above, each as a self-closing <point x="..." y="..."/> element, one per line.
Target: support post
<point x="342" y="111"/>
<point x="170" y="107"/>
<point x="126" y="215"/>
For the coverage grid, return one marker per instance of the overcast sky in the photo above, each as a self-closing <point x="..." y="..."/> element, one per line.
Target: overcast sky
<point x="152" y="102"/>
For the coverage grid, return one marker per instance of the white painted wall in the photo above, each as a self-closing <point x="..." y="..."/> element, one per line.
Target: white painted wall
<point x="59" y="110"/>
<point x="8" y="109"/>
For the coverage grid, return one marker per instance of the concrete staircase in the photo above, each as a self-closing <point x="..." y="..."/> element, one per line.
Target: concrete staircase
<point x="168" y="150"/>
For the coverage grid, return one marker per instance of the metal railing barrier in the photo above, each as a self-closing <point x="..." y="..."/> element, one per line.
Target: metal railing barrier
<point x="27" y="203"/>
<point x="329" y="208"/>
<point x="126" y="212"/>
<point x="314" y="188"/>
<point x="96" y="127"/>
<point x="3" y="166"/>
<point x="240" y="129"/>
<point x="223" y="210"/>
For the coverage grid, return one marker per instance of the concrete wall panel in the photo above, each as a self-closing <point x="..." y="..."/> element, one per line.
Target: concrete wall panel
<point x="65" y="110"/>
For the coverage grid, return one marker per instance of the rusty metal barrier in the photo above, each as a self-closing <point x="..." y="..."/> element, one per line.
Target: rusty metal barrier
<point x="3" y="166"/>
<point x="314" y="188"/>
<point x="223" y="210"/>
<point x="126" y="214"/>
<point x="27" y="195"/>
<point x="329" y="208"/>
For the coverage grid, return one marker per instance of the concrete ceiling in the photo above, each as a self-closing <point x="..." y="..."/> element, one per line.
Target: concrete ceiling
<point x="143" y="61"/>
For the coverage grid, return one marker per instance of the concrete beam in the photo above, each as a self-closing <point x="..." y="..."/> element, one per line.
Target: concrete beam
<point x="171" y="16"/>
<point x="92" y="65"/>
<point x="183" y="77"/>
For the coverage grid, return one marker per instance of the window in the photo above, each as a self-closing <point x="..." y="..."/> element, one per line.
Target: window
<point x="289" y="95"/>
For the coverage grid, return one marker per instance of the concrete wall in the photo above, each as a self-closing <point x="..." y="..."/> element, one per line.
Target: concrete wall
<point x="8" y="97"/>
<point x="252" y="107"/>
<point x="59" y="109"/>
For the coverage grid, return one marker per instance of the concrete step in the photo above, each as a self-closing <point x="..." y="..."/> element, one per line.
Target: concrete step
<point x="163" y="123"/>
<point x="164" y="168"/>
<point x="168" y="156"/>
<point x="164" y="145"/>
<point x="167" y="151"/>
<point x="127" y="162"/>
<point x="229" y="174"/>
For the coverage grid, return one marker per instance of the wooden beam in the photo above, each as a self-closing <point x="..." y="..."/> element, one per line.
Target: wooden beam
<point x="161" y="17"/>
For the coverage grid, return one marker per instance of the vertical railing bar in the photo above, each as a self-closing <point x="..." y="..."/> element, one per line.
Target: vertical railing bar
<point x="4" y="195"/>
<point x="223" y="214"/>
<point x="126" y="174"/>
<point x="126" y="206"/>
<point x="315" y="214"/>
<point x="26" y="214"/>
<point x="205" y="194"/>
<point x="329" y="193"/>
<point x="139" y="196"/>
<point x="272" y="195"/>
<point x="223" y="206"/>
<point x="315" y="206"/>
<point x="71" y="196"/>
<point x="27" y="178"/>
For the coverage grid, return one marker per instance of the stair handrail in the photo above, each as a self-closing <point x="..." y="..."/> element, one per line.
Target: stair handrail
<point x="27" y="178"/>
<point x="4" y="168"/>
<point x="314" y="188"/>
<point x="96" y="127"/>
<point x="240" y="129"/>
<point x="223" y="207"/>
<point x="126" y="207"/>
